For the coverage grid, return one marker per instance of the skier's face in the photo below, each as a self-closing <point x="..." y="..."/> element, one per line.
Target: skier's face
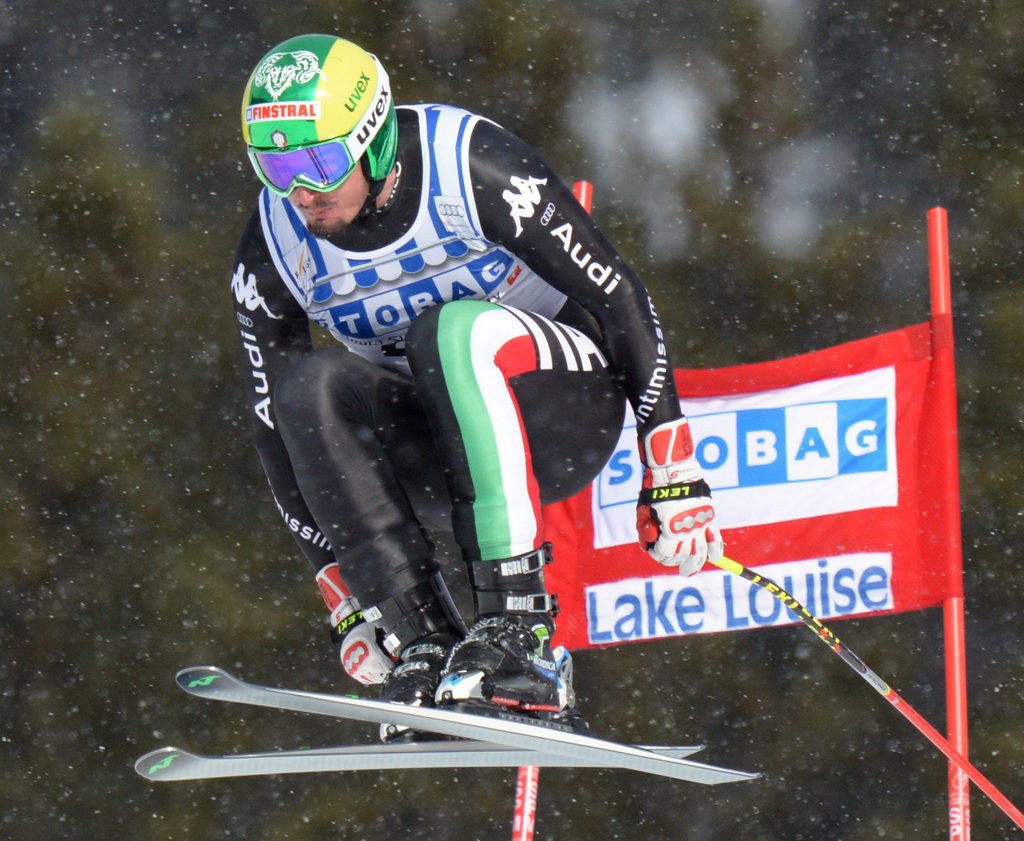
<point x="328" y="214"/>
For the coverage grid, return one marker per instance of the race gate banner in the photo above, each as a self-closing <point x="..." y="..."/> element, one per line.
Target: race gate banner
<point x="824" y="470"/>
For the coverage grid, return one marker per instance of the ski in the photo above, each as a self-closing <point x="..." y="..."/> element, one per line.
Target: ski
<point x="509" y="731"/>
<point x="171" y="763"/>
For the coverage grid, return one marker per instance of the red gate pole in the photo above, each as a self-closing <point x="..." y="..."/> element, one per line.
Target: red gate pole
<point x="525" y="818"/>
<point x="944" y="374"/>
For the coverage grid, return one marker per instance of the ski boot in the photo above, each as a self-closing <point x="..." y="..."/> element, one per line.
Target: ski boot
<point x="414" y="682"/>
<point x="507" y="663"/>
<point x="420" y="627"/>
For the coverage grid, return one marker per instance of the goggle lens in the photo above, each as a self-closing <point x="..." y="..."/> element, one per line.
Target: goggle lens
<point x="320" y="168"/>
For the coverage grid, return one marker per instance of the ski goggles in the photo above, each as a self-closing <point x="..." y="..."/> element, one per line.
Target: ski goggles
<point x="320" y="168"/>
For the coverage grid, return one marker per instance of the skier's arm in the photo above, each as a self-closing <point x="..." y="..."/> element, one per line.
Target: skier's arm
<point x="273" y="333"/>
<point x="524" y="206"/>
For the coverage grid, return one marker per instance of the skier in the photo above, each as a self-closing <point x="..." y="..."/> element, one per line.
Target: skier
<point x="488" y="337"/>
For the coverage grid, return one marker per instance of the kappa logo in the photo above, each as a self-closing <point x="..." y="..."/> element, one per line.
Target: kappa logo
<point x="246" y="292"/>
<point x="523" y="204"/>
<point x="279" y="71"/>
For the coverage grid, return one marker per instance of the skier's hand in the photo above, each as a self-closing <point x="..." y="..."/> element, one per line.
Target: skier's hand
<point x="362" y="657"/>
<point x="675" y="517"/>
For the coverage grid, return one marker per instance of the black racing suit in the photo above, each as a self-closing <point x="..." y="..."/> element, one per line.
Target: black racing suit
<point x="364" y="455"/>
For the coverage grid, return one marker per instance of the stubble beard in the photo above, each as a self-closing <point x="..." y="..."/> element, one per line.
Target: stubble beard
<point x="326" y="231"/>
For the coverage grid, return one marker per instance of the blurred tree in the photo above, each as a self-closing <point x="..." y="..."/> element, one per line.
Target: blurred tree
<point x="766" y="165"/>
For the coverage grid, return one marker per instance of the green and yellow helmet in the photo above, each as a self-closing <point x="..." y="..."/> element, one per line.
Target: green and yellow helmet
<point x="314" y="107"/>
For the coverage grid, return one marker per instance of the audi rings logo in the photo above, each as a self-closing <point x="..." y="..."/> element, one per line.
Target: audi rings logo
<point x="450" y="208"/>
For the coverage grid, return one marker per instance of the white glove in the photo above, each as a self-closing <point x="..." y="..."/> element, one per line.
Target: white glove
<point x="675" y="518"/>
<point x="362" y="656"/>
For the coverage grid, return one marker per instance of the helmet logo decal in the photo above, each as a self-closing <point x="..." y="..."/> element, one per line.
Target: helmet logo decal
<point x="279" y="139"/>
<point x="282" y="111"/>
<point x="279" y="71"/>
<point x="374" y="117"/>
<point x="357" y="92"/>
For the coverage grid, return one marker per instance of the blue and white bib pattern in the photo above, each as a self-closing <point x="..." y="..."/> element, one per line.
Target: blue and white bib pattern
<point x="367" y="300"/>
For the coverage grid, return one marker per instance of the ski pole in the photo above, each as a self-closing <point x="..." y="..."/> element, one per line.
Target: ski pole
<point x="880" y="686"/>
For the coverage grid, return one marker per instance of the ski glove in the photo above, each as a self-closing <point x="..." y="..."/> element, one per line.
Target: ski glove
<point x="362" y="656"/>
<point x="675" y="518"/>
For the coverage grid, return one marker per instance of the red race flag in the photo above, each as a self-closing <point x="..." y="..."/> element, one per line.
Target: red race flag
<point x="826" y="467"/>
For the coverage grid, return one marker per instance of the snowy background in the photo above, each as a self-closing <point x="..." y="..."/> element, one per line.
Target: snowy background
<point x="765" y="164"/>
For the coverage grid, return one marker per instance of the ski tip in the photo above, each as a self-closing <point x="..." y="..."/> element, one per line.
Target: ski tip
<point x="712" y="775"/>
<point x="198" y="680"/>
<point x="161" y="764"/>
<point x="741" y="776"/>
